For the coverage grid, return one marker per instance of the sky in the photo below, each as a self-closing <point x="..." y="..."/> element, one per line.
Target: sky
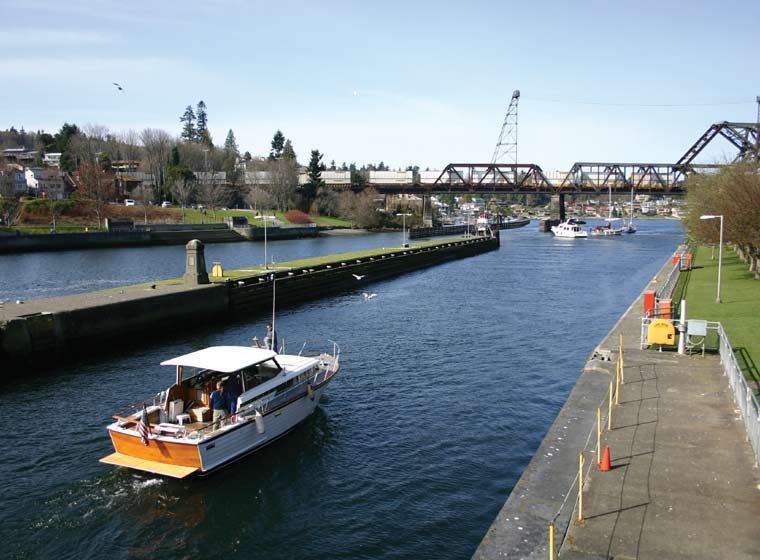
<point x="406" y="83"/>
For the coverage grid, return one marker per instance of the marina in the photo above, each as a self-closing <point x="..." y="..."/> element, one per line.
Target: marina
<point x="398" y="477"/>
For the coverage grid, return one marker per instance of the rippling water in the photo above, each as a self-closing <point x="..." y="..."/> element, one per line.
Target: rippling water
<point x="450" y="378"/>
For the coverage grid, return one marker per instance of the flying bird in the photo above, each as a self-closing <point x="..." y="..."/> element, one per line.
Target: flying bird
<point x="118" y="86"/>
<point x="368" y="297"/>
<point x="358" y="276"/>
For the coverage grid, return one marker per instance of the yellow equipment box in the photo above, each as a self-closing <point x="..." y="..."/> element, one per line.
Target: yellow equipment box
<point x="661" y="331"/>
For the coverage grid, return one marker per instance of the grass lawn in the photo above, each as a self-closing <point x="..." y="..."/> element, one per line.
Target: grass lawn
<point x="739" y="310"/>
<point x="195" y="216"/>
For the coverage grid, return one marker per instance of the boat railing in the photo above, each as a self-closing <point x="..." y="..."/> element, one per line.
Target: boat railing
<point x="131" y="413"/>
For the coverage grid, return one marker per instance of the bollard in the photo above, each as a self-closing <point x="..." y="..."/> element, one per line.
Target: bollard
<point x="617" y="383"/>
<point x="622" y="362"/>
<point x="609" y="411"/>
<point x="551" y="540"/>
<point x="598" y="433"/>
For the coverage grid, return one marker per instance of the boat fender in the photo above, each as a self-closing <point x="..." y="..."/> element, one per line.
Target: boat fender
<point x="260" y="427"/>
<point x="310" y="391"/>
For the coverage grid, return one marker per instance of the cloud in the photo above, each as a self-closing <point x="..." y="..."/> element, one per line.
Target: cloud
<point x="45" y="37"/>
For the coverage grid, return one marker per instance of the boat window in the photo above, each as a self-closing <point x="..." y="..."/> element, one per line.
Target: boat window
<point x="258" y="374"/>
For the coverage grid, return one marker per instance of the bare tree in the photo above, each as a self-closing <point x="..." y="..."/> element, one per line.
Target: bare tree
<point x="144" y="197"/>
<point x="184" y="190"/>
<point x="130" y="145"/>
<point x="213" y="195"/>
<point x="258" y="198"/>
<point x="57" y="207"/>
<point x="10" y="210"/>
<point x="157" y="146"/>
<point x="284" y="176"/>
<point x="89" y="143"/>
<point x="96" y="187"/>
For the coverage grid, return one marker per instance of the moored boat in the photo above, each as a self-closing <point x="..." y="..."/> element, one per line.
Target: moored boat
<point x="610" y="227"/>
<point x="174" y="434"/>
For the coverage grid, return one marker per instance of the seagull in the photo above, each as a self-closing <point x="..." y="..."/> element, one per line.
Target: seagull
<point x="368" y="297"/>
<point x="358" y="276"/>
<point x="118" y="86"/>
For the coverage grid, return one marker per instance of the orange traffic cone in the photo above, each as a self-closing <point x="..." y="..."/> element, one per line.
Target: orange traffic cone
<point x="605" y="464"/>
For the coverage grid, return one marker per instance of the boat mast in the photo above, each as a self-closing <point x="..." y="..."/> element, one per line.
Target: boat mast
<point x="274" y="291"/>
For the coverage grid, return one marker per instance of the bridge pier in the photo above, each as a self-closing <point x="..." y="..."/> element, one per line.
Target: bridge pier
<point x="427" y="211"/>
<point x="557" y="207"/>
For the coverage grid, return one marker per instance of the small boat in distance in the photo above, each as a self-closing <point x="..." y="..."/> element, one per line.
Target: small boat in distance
<point x="172" y="433"/>
<point x="610" y="227"/>
<point x="570" y="229"/>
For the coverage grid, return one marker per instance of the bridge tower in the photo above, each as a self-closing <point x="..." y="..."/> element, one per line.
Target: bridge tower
<point x="506" y="146"/>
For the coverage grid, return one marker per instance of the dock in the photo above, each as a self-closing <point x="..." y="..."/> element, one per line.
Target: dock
<point x="683" y="482"/>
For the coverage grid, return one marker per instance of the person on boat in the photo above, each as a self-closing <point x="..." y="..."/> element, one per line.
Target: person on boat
<point x="232" y="391"/>
<point x="218" y="402"/>
<point x="270" y="340"/>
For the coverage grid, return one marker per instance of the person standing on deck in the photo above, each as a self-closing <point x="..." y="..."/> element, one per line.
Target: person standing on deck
<point x="218" y="402"/>
<point x="270" y="340"/>
<point x="232" y="390"/>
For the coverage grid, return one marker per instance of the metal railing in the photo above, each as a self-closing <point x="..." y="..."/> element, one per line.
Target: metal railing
<point x="743" y="394"/>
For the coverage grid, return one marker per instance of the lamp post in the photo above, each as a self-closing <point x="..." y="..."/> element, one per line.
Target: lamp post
<point x="266" y="264"/>
<point x="403" y="228"/>
<point x="720" y="247"/>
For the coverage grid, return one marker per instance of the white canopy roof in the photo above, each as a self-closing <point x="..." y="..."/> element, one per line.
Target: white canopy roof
<point x="225" y="359"/>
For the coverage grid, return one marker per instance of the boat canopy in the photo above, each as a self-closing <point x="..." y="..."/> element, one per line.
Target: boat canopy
<point x="225" y="359"/>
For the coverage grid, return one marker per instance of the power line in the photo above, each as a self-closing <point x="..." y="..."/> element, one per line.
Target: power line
<point x="652" y="105"/>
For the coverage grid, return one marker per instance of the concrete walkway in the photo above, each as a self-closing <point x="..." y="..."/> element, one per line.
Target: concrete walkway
<point x="683" y="484"/>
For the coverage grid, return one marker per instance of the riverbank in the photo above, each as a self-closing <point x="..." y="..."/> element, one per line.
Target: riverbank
<point x="40" y="333"/>
<point x="665" y="497"/>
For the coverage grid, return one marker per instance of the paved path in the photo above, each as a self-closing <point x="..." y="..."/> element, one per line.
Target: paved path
<point x="683" y="484"/>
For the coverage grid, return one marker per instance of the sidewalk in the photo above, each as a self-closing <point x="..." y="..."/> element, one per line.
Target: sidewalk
<point x="683" y="482"/>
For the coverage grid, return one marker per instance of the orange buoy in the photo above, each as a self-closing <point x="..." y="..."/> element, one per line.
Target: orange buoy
<point x="605" y="464"/>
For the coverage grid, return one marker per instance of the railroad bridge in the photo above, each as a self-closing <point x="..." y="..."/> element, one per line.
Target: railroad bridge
<point x="584" y="177"/>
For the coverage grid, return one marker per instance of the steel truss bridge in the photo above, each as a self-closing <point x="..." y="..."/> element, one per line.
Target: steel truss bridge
<point x="589" y="177"/>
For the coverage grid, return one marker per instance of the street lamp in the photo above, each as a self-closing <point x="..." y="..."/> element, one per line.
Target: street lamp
<point x="266" y="265"/>
<point x="403" y="228"/>
<point x="720" y="245"/>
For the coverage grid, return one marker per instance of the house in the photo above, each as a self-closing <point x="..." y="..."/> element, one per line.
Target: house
<point x="18" y="155"/>
<point x="211" y="177"/>
<point x="46" y="183"/>
<point x="52" y="159"/>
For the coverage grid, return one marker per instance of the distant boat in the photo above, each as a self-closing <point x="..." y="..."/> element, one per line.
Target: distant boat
<point x="610" y="227"/>
<point x="570" y="229"/>
<point x="629" y="227"/>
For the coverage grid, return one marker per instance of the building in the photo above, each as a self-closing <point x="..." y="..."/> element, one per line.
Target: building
<point x="52" y="159"/>
<point x="46" y="183"/>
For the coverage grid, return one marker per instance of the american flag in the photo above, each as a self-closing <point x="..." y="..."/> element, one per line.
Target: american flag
<point x="143" y="428"/>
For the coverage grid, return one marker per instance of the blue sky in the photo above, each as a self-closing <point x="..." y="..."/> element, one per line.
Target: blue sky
<point x="432" y="80"/>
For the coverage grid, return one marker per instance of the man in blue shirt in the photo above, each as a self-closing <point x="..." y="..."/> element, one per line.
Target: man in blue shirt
<point x="218" y="402"/>
<point x="232" y="390"/>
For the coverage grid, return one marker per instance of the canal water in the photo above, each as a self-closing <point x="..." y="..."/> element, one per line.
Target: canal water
<point x="450" y="378"/>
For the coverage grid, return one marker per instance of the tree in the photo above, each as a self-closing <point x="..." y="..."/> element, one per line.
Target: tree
<point x="10" y="210"/>
<point x="183" y="185"/>
<point x="203" y="136"/>
<point x="278" y="143"/>
<point x="157" y="145"/>
<point x="57" y="208"/>
<point x="315" y="182"/>
<point x="144" y="197"/>
<point x="257" y="198"/>
<point x="284" y="177"/>
<point x="326" y="203"/>
<point x="365" y="213"/>
<point x="288" y="153"/>
<point x="96" y="187"/>
<point x="213" y="195"/>
<point x="189" y="132"/>
<point x="247" y="156"/>
<point x="230" y="144"/>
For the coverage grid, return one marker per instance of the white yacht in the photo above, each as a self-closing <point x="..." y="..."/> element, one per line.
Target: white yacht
<point x="173" y="434"/>
<point x="570" y="228"/>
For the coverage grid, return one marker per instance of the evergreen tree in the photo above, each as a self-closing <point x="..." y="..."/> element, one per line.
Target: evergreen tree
<point x="203" y="136"/>
<point x="174" y="157"/>
<point x="189" y="132"/>
<point x="288" y="153"/>
<point x="315" y="182"/>
<point x="230" y="144"/>
<point x="332" y="165"/>
<point x="247" y="156"/>
<point x="278" y="143"/>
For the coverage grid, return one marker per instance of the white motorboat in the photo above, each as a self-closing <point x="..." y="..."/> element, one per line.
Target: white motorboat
<point x="570" y="229"/>
<point x="173" y="433"/>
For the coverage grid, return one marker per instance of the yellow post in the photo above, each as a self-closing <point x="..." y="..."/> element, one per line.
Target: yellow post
<point x="617" y="383"/>
<point x="580" y="487"/>
<point x="609" y="411"/>
<point x="622" y="362"/>
<point x="551" y="540"/>
<point x="598" y="434"/>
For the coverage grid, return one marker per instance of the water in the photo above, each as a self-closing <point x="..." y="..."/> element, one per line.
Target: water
<point x="450" y="379"/>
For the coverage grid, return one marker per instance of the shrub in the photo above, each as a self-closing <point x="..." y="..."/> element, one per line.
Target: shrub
<point x="297" y="217"/>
